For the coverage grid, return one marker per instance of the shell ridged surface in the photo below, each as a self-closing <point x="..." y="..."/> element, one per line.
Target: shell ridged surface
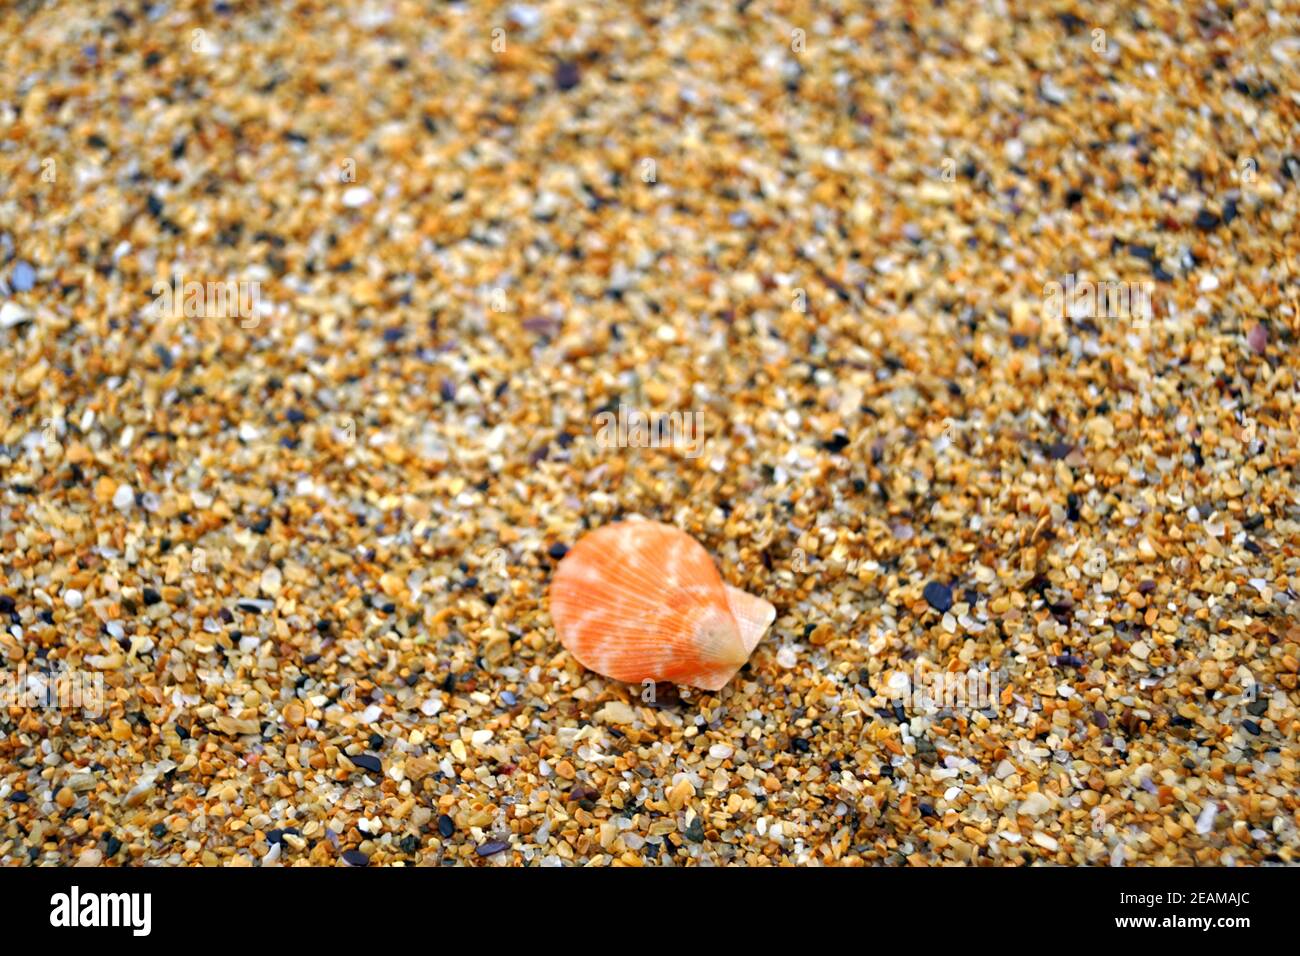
<point x="640" y="600"/>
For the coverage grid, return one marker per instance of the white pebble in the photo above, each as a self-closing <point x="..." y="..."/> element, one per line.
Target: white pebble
<point x="720" y="751"/>
<point x="357" y="197"/>
<point x="272" y="580"/>
<point x="12" y="314"/>
<point x="72" y="599"/>
<point x="124" y="497"/>
<point x="786" y="658"/>
<point x="526" y="16"/>
<point x="1035" y="804"/>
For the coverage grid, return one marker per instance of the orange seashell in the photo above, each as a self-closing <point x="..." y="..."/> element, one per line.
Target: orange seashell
<point x="639" y="600"/>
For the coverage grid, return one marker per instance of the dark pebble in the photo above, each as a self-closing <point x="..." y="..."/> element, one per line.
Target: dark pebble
<point x="491" y="848"/>
<point x="6" y="604"/>
<point x="1067" y="660"/>
<point x="558" y="550"/>
<point x="1257" y="708"/>
<point x="567" y="76"/>
<point x="410" y="843"/>
<point x="1207" y="221"/>
<point x="1251" y="726"/>
<point x="939" y="596"/>
<point x="151" y="596"/>
<point x="112" y="845"/>
<point x="355" y="858"/>
<point x="159" y="831"/>
<point x="1100" y="719"/>
<point x="695" y="831"/>
<point x="367" y="762"/>
<point x="445" y="827"/>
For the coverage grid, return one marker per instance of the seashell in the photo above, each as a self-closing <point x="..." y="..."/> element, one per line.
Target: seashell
<point x="639" y="600"/>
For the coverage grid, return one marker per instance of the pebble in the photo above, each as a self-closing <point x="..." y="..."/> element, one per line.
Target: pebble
<point x="367" y="762"/>
<point x="1035" y="804"/>
<point x="939" y="596"/>
<point x="123" y="497"/>
<point x="567" y="76"/>
<point x="616" y="712"/>
<point x="527" y="16"/>
<point x="356" y="197"/>
<point x="13" y="315"/>
<point x="23" y="277"/>
<point x="1257" y="338"/>
<point x="271" y="581"/>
